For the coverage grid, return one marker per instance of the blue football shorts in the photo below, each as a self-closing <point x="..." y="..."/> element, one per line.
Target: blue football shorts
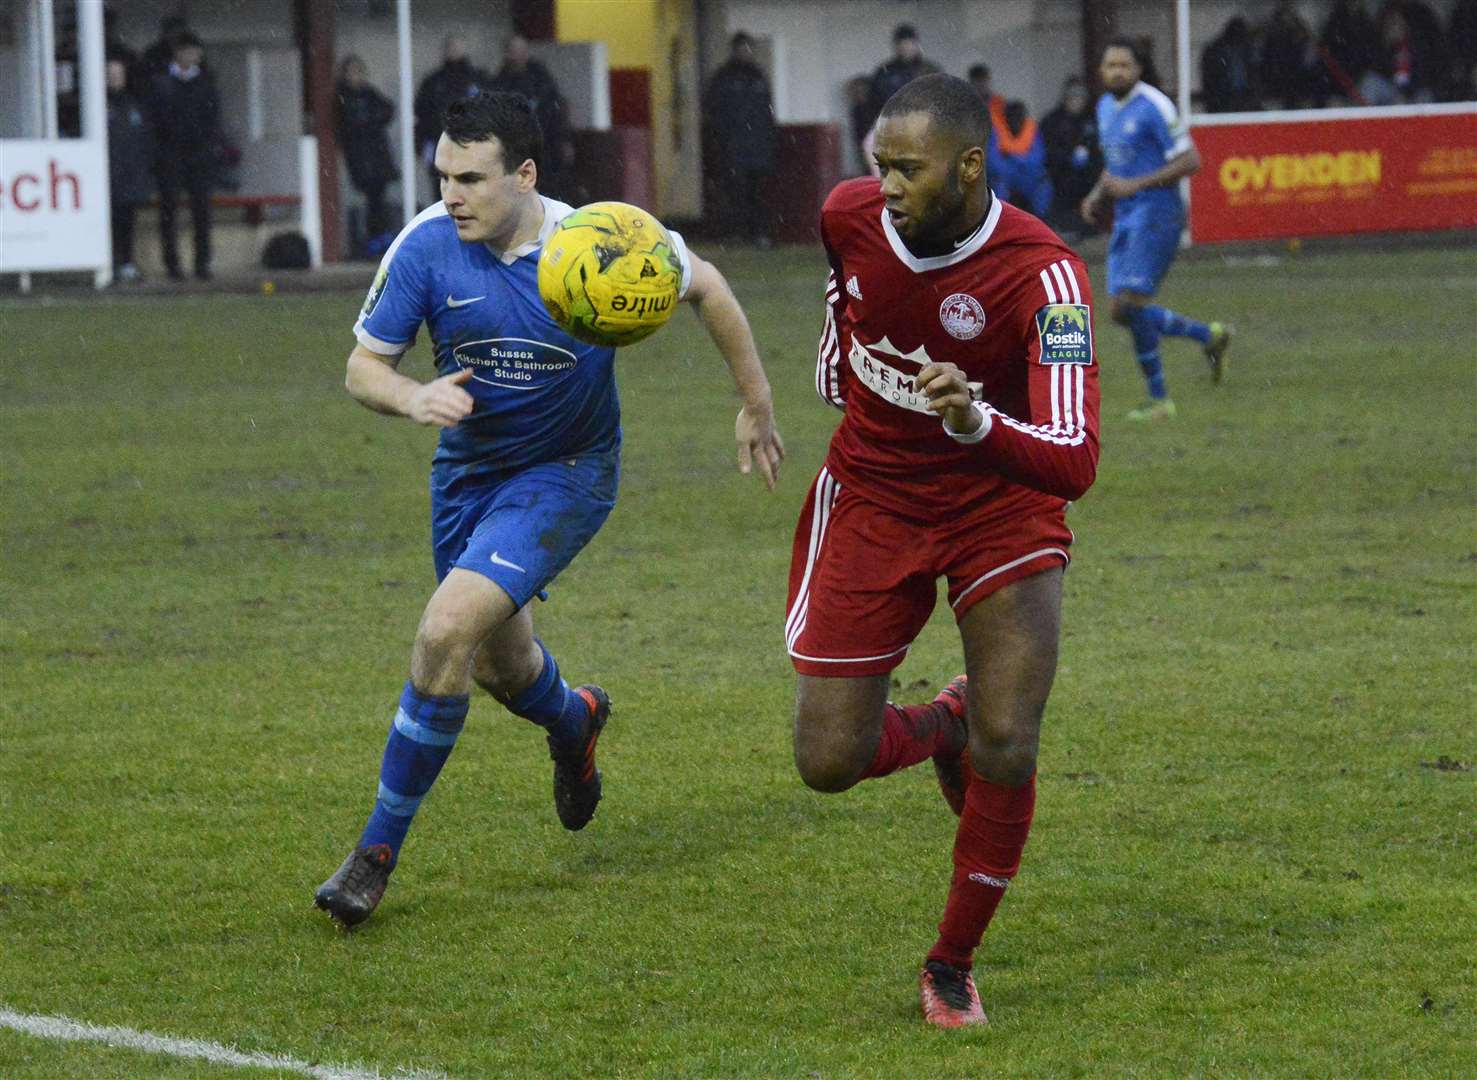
<point x="1140" y="252"/>
<point x="520" y="529"/>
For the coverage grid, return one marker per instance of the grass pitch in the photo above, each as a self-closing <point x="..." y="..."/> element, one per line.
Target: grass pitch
<point x="1255" y="846"/>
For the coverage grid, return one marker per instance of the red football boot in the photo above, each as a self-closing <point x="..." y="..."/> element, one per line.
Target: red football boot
<point x="949" y="997"/>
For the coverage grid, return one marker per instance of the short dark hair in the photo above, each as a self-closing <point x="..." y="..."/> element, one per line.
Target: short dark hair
<point x="949" y="101"/>
<point x="1123" y="42"/>
<point x="979" y="71"/>
<point x="494" y="114"/>
<point x="185" y="40"/>
<point x="741" y="38"/>
<point x="904" y="32"/>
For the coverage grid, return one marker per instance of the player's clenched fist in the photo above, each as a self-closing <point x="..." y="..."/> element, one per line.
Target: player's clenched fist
<point x="947" y="391"/>
<point x="442" y="401"/>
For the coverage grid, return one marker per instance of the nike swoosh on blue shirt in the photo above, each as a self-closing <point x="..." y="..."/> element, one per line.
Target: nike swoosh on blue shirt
<point x="452" y="302"/>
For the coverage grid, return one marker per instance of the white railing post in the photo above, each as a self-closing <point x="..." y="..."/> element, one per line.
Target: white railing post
<point x="312" y="222"/>
<point x="409" y="164"/>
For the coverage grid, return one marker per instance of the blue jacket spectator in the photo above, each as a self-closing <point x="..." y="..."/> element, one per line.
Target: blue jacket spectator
<point x="1016" y="161"/>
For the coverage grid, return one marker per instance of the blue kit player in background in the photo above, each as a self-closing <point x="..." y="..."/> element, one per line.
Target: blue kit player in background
<point x="525" y="472"/>
<point x="1146" y="152"/>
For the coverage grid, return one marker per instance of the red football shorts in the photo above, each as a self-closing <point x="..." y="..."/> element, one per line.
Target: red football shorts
<point x="863" y="580"/>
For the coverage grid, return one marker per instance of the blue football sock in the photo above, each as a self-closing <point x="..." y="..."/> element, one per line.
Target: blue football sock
<point x="421" y="737"/>
<point x="551" y="704"/>
<point x="1173" y="324"/>
<point x="1145" y="331"/>
<point x="1153" y="371"/>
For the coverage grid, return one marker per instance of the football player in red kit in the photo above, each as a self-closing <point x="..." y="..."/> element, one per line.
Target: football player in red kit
<point x="958" y="342"/>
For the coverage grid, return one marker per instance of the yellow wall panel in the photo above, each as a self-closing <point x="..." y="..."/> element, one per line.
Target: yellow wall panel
<point x="628" y="28"/>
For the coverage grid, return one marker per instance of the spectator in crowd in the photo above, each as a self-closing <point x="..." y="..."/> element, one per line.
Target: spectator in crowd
<point x="1228" y="70"/>
<point x="362" y="117"/>
<point x="1406" y="65"/>
<point x="1016" y="161"/>
<point x="1461" y="38"/>
<point x="115" y="48"/>
<point x="984" y="86"/>
<point x="130" y="164"/>
<point x="455" y="80"/>
<point x="157" y="57"/>
<point x="906" y="64"/>
<point x="1288" y="75"/>
<point x="738" y="113"/>
<point x="1346" y="47"/>
<point x="185" y="108"/>
<point x="521" y="74"/>
<point x="1073" y="158"/>
<point x="858" y="91"/>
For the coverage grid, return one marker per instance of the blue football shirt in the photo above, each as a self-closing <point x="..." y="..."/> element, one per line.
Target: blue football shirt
<point x="1138" y="136"/>
<point x="540" y="394"/>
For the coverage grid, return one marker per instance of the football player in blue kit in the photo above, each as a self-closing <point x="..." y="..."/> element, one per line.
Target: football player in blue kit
<point x="525" y="472"/>
<point x="1146" y="152"/>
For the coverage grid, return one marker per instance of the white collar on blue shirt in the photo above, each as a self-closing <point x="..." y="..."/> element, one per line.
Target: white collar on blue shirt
<point x="554" y="212"/>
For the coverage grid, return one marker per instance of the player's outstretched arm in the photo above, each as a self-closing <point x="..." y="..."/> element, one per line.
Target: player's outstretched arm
<point x="372" y="380"/>
<point x="759" y="442"/>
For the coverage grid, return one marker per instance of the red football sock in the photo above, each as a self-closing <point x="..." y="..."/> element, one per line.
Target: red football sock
<point x="910" y="734"/>
<point x="987" y="853"/>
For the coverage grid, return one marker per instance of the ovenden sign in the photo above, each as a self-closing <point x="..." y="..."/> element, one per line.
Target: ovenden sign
<point x="1339" y="171"/>
<point x="53" y="205"/>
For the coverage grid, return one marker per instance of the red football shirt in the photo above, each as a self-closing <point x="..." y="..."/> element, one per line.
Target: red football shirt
<point x="1011" y="306"/>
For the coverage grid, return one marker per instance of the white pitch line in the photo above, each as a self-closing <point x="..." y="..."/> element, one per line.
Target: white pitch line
<point x="67" y="1030"/>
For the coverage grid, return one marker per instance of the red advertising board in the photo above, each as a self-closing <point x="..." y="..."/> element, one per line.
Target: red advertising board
<point x="1321" y="177"/>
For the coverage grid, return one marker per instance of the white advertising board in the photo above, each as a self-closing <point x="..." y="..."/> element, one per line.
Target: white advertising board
<point x="53" y="205"/>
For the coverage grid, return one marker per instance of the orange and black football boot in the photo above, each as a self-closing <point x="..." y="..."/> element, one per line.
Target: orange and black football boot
<point x="576" y="780"/>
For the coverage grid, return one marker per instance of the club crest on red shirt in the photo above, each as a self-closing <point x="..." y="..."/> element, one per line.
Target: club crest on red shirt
<point x="962" y="316"/>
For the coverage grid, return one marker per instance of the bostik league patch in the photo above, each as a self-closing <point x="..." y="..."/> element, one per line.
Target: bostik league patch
<point x="1066" y="334"/>
<point x="375" y="292"/>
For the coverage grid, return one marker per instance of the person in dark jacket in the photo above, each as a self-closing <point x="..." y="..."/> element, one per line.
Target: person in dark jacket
<point x="521" y="74"/>
<point x="739" y="121"/>
<point x="1228" y="70"/>
<point x="1461" y="37"/>
<point x="160" y="53"/>
<point x="1409" y="57"/>
<point x="362" y="117"/>
<point x="455" y="80"/>
<point x="1289" y="73"/>
<point x="907" y="63"/>
<point x="1074" y="159"/>
<point x="185" y="108"/>
<point x="1346" y="47"/>
<point x="130" y="165"/>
